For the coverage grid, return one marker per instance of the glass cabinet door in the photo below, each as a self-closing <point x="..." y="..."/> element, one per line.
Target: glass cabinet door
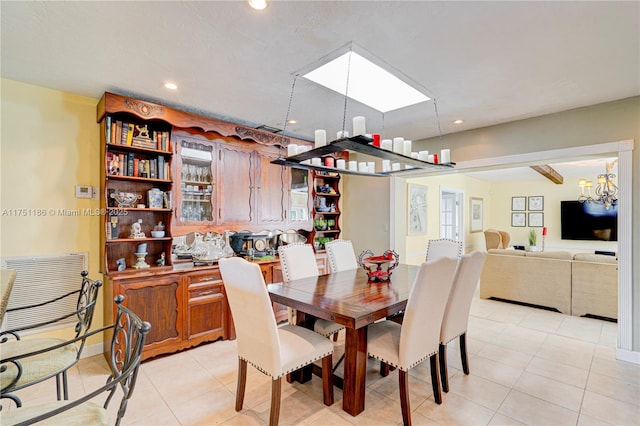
<point x="196" y="181"/>
<point x="299" y="198"/>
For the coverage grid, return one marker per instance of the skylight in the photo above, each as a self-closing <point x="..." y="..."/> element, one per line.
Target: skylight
<point x="369" y="83"/>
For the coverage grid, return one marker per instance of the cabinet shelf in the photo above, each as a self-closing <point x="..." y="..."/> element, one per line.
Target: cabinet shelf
<point x="137" y="240"/>
<point x="151" y="270"/>
<point x="193" y="200"/>
<point x="137" y="179"/>
<point x="196" y="182"/>
<point x="327" y="213"/>
<point x="129" y="148"/>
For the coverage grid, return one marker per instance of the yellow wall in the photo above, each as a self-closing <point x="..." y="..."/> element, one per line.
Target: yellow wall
<point x="497" y="213"/>
<point x="49" y="143"/>
<point x="553" y="194"/>
<point x="413" y="247"/>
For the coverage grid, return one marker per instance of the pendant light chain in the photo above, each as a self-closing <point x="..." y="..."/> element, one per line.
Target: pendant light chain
<point x="435" y="106"/>
<point x="286" y="119"/>
<point x="346" y="90"/>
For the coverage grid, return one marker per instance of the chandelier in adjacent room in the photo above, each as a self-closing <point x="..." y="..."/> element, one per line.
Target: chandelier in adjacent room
<point x="606" y="192"/>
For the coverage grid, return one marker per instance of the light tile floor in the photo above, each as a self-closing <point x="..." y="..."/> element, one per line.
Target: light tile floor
<point x="528" y="366"/>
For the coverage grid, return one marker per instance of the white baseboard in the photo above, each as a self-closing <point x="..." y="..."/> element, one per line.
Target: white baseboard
<point x="92" y="350"/>
<point x="628" y="356"/>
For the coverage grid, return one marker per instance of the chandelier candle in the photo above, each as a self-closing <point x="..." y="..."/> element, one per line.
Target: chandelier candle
<point x="376" y="139"/>
<point x="423" y="155"/>
<point x="359" y="127"/>
<point x="398" y="145"/>
<point x="292" y="149"/>
<point x="406" y="147"/>
<point x="445" y="156"/>
<point x="320" y="138"/>
<point x="387" y="144"/>
<point x="342" y="134"/>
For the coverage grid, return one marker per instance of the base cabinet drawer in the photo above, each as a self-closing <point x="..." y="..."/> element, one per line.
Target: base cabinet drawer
<point x="206" y="312"/>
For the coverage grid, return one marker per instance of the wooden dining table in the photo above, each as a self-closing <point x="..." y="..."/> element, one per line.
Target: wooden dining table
<point x="348" y="298"/>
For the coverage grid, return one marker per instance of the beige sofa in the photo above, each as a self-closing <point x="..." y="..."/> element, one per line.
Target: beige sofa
<point x="537" y="278"/>
<point x="594" y="284"/>
<point x="574" y="285"/>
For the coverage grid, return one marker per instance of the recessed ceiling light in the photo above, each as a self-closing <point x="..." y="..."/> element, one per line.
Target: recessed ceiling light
<point x="458" y="121"/>
<point x="292" y="121"/>
<point x="258" y="4"/>
<point x="171" y="86"/>
<point x="368" y="82"/>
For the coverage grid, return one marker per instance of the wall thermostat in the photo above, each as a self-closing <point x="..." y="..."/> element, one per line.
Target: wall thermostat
<point x="83" y="191"/>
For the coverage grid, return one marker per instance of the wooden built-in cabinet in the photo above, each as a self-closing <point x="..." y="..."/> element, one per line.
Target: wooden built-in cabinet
<point x="213" y="176"/>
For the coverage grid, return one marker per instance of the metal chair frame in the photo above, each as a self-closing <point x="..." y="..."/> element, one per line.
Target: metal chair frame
<point x="127" y="344"/>
<point x="85" y="308"/>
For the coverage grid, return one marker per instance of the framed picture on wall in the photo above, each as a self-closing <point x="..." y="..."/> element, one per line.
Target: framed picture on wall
<point x="518" y="204"/>
<point x="416" y="209"/>
<point x="536" y="219"/>
<point x="518" y="219"/>
<point x="476" y="214"/>
<point x="536" y="203"/>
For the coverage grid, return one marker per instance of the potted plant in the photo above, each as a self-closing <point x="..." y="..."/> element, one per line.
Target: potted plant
<point x="533" y="237"/>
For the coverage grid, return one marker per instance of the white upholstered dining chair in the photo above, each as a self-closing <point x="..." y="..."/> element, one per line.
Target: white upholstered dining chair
<point x="341" y="255"/>
<point x="456" y="314"/>
<point x="275" y="351"/>
<point x="407" y="345"/>
<point x="299" y="261"/>
<point x="444" y="247"/>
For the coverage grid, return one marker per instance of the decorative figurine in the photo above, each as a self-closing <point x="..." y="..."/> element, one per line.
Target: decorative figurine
<point x="141" y="253"/>
<point x="122" y="264"/>
<point x="114" y="166"/>
<point x="161" y="261"/>
<point x="143" y="131"/>
<point x="136" y="230"/>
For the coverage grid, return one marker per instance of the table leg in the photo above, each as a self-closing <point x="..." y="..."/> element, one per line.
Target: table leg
<point x="355" y="370"/>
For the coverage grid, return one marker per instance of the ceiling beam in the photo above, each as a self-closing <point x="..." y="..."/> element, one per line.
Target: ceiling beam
<point x="549" y="172"/>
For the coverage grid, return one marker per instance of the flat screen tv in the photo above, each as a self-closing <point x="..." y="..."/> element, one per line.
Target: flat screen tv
<point x="588" y="221"/>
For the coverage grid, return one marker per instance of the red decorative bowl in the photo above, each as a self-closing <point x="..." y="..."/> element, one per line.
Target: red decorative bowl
<point x="369" y="262"/>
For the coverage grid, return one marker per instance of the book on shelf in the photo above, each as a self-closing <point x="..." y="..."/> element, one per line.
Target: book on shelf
<point x="130" y="162"/>
<point x="145" y="169"/>
<point x="152" y="168"/>
<point x="136" y="167"/>
<point x="143" y="143"/>
<point x="130" y="134"/>
<point x="124" y="128"/>
<point x="122" y="165"/>
<point x="160" y="167"/>
<point x="108" y="129"/>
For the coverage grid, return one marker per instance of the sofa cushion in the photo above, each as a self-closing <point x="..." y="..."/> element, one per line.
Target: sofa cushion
<point x="562" y="255"/>
<point x="598" y="258"/>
